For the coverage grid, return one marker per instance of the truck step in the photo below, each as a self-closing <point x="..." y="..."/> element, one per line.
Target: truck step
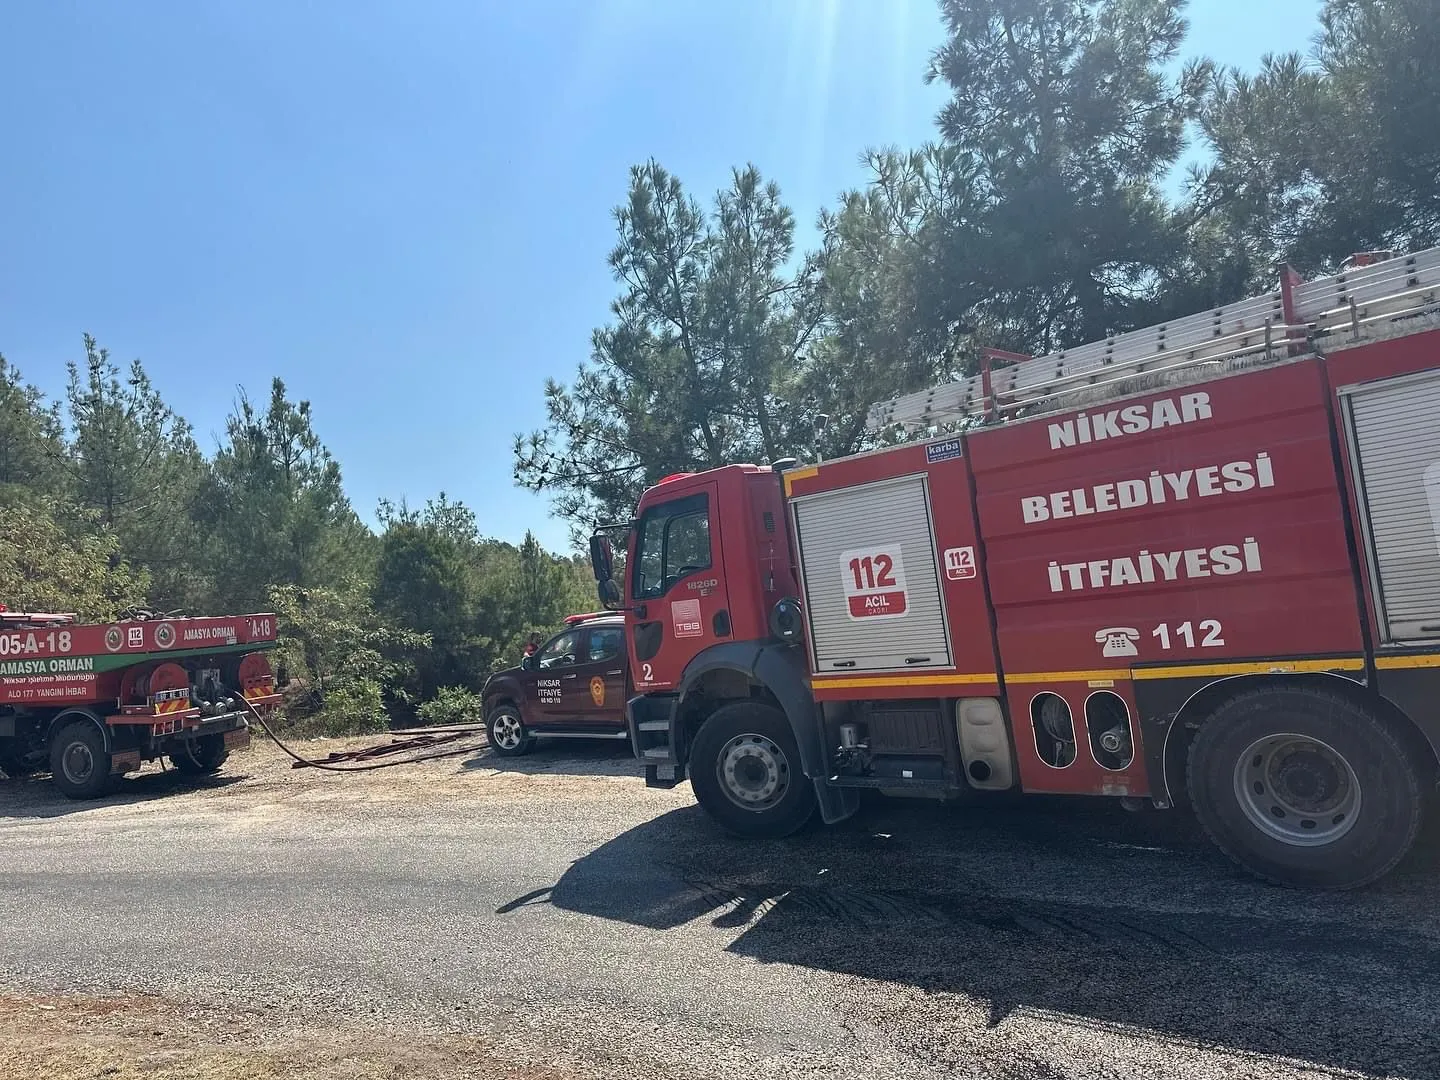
<point x="654" y="725"/>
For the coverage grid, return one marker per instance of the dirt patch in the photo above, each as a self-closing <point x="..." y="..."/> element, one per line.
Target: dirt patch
<point x="132" y="1037"/>
<point x="264" y="776"/>
<point x="563" y="769"/>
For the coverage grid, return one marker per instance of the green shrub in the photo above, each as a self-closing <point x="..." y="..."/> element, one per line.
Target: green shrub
<point x="451" y="705"/>
<point x="353" y="708"/>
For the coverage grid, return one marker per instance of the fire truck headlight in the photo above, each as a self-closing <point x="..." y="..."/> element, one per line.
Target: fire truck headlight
<point x="785" y="621"/>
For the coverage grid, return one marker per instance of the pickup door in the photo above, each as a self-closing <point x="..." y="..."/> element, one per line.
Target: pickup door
<point x="578" y="681"/>
<point x="596" y="697"/>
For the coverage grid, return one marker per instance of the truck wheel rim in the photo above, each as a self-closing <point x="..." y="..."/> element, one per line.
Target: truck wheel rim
<point x="1297" y="790"/>
<point x="507" y="732"/>
<point x="78" y="763"/>
<point x="754" y="772"/>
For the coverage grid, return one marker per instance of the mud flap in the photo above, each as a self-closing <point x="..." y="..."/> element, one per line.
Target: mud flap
<point x="836" y="803"/>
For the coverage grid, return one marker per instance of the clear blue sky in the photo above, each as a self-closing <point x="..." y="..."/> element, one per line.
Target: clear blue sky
<point x="403" y="208"/>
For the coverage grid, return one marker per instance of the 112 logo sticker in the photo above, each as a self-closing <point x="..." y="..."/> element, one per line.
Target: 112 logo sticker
<point x="874" y="580"/>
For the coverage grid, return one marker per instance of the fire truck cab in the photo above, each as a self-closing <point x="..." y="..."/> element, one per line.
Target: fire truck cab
<point x="1195" y="563"/>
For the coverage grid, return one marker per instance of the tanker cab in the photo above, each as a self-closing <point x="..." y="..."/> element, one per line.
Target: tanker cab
<point x="675" y="589"/>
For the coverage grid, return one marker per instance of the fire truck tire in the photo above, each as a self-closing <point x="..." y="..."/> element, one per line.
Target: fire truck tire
<point x="1305" y="788"/>
<point x="79" y="763"/>
<point x="745" y="772"/>
<point x="201" y="757"/>
<point x="506" y="732"/>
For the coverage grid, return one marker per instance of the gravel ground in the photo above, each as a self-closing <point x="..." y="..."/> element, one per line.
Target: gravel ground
<point x="138" y="1037"/>
<point x="551" y="918"/>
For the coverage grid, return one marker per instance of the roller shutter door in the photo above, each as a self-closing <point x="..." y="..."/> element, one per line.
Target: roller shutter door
<point x="1395" y="437"/>
<point x="872" y="587"/>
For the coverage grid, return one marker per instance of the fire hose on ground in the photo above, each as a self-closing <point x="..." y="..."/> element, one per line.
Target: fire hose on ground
<point x="419" y="742"/>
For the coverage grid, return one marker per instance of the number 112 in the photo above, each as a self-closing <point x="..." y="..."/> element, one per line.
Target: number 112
<point x="1186" y="633"/>
<point x="873" y="573"/>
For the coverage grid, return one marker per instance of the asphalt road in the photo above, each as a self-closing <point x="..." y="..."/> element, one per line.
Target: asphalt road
<point x="570" y="916"/>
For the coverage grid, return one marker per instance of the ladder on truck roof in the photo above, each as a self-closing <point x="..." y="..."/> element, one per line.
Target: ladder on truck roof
<point x="14" y="619"/>
<point x="1373" y="297"/>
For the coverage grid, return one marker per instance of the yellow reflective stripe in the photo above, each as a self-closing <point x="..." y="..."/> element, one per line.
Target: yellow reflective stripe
<point x="1261" y="667"/>
<point x="799" y="474"/>
<point x="1385" y="663"/>
<point x="826" y="682"/>
<point x="1179" y="671"/>
<point x="1066" y="676"/>
<point x="1190" y="671"/>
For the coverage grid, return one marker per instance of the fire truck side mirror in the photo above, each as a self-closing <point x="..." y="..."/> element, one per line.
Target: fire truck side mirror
<point x="602" y="557"/>
<point x="602" y="562"/>
<point x="609" y="594"/>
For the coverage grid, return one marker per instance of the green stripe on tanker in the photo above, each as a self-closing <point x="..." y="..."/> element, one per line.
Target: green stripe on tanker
<point x="59" y="664"/>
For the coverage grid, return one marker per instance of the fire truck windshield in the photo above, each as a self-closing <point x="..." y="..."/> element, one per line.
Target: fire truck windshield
<point x="673" y="541"/>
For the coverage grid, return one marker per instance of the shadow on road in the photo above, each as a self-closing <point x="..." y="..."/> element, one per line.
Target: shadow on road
<point x="1103" y="917"/>
<point x="36" y="797"/>
<point x="573" y="757"/>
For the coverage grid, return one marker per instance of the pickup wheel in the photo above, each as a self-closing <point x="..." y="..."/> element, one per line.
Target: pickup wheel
<point x="506" y="731"/>
<point x="202" y="756"/>
<point x="1305" y="788"/>
<point x="79" y="763"/>
<point x="745" y="771"/>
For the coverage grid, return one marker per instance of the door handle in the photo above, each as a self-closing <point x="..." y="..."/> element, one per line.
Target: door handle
<point x="617" y="671"/>
<point x="570" y="676"/>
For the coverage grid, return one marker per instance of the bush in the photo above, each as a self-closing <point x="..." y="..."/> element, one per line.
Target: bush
<point x="353" y="708"/>
<point x="451" y="705"/>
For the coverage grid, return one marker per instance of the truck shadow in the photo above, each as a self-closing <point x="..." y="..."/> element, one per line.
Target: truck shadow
<point x="36" y="797"/>
<point x="1104" y="918"/>
<point x="572" y="757"/>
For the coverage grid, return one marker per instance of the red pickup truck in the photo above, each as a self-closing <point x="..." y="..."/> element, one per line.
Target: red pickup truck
<point x="573" y="686"/>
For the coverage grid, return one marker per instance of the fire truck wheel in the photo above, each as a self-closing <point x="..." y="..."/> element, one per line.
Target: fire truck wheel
<point x="506" y="732"/>
<point x="745" y="771"/>
<point x="1305" y="788"/>
<point x="79" y="763"/>
<point x="202" y="756"/>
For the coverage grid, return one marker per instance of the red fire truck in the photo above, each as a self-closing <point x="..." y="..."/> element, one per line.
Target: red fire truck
<point x="1199" y="562"/>
<point x="91" y="702"/>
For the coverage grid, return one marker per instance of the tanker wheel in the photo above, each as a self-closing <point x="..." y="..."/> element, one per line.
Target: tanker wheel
<point x="79" y="762"/>
<point x="1305" y="788"/>
<point x="745" y="772"/>
<point x="202" y="756"/>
